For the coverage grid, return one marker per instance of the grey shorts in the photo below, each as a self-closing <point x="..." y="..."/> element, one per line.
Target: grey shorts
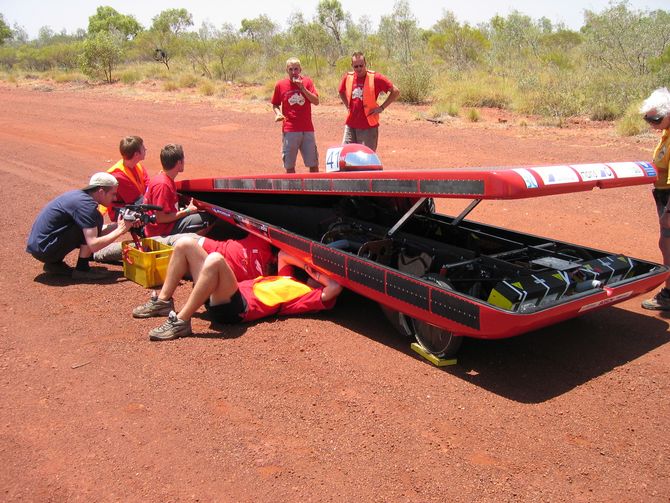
<point x="305" y="142"/>
<point x="367" y="137"/>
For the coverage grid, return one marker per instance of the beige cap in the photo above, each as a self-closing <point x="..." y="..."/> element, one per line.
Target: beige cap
<point x="101" y="179"/>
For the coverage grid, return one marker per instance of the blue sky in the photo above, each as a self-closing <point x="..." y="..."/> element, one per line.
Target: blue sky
<point x="73" y="14"/>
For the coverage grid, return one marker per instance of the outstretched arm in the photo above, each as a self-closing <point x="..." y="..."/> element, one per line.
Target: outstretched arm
<point x="331" y="288"/>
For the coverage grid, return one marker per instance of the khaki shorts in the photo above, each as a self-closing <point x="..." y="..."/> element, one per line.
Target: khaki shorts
<point x="367" y="137"/>
<point x="305" y="142"/>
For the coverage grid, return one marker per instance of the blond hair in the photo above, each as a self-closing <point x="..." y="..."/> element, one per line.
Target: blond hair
<point x="293" y="61"/>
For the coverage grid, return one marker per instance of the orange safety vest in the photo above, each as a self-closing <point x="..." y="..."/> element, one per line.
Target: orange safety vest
<point x="369" y="98"/>
<point x="138" y="180"/>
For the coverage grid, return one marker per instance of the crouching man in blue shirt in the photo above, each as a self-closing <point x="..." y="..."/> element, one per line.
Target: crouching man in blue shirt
<point x="71" y="221"/>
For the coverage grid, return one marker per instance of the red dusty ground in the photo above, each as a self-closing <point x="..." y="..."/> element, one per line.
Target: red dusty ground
<point x="332" y="407"/>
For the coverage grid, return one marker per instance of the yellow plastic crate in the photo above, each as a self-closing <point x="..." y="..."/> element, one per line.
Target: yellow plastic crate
<point x="146" y="268"/>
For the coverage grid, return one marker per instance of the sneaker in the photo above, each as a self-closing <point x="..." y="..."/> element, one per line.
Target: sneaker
<point x="57" y="268"/>
<point x="173" y="328"/>
<point x="90" y="275"/>
<point x="659" y="302"/>
<point x="154" y="307"/>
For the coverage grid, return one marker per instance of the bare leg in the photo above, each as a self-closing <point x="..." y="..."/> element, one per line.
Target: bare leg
<point x="186" y="257"/>
<point x="664" y="245"/>
<point x="216" y="281"/>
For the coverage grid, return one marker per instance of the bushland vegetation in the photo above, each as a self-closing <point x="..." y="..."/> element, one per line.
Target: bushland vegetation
<point x="516" y="63"/>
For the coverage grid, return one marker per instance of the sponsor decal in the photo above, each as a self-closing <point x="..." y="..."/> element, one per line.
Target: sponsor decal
<point x="218" y="210"/>
<point x="604" y="302"/>
<point x="553" y="175"/>
<point x="528" y="178"/>
<point x="590" y="172"/>
<point x="630" y="170"/>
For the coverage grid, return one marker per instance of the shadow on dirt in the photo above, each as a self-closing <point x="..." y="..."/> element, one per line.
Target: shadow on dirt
<point x="533" y="367"/>
<point x="61" y="281"/>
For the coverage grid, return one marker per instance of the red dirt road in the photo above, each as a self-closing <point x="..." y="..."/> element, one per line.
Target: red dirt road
<point x="334" y="407"/>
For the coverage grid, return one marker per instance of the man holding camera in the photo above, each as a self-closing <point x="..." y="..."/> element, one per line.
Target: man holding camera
<point x="162" y="192"/>
<point x="71" y="221"/>
<point x="292" y="104"/>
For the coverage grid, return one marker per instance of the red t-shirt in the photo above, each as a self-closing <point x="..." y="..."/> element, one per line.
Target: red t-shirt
<point x="356" y="118"/>
<point x="307" y="302"/>
<point x="295" y="106"/>
<point x="128" y="191"/>
<point x="161" y="191"/>
<point x="248" y="258"/>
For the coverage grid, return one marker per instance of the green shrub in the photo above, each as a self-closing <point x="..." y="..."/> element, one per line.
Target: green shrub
<point x="440" y="109"/>
<point x="188" y="80"/>
<point x="268" y="89"/>
<point x="131" y="76"/>
<point x="170" y="85"/>
<point x="551" y="94"/>
<point x="475" y="89"/>
<point x="485" y="97"/>
<point x="473" y="115"/>
<point x="65" y="77"/>
<point x="206" y="88"/>
<point x="631" y="123"/>
<point x="605" y="112"/>
<point x="414" y="82"/>
<point x="156" y="71"/>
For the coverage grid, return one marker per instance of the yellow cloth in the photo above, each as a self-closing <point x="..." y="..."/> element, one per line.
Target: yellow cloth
<point x="276" y="290"/>
<point x="661" y="160"/>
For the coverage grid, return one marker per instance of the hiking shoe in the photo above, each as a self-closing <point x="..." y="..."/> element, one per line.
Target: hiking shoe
<point x="57" y="268"/>
<point x="154" y="307"/>
<point x="173" y="328"/>
<point x="90" y="275"/>
<point x="659" y="302"/>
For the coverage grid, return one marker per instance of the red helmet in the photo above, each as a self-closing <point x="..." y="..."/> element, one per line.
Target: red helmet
<point x="352" y="157"/>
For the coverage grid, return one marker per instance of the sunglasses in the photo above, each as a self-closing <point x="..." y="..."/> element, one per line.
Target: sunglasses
<point x="654" y="119"/>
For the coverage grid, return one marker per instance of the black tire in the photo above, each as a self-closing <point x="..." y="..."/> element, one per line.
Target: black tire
<point x="436" y="341"/>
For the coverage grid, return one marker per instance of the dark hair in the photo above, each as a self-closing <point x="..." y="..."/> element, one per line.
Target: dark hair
<point x="358" y="54"/>
<point x="171" y="154"/>
<point x="130" y="145"/>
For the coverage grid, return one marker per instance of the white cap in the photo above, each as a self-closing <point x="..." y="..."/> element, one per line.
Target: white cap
<point x="101" y="179"/>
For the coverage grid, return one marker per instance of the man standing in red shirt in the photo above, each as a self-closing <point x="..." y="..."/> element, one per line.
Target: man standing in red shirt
<point x="359" y="91"/>
<point x="162" y="191"/>
<point x="292" y="103"/>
